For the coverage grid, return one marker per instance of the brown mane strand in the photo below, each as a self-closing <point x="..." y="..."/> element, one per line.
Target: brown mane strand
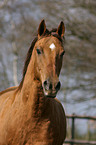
<point x="27" y="60"/>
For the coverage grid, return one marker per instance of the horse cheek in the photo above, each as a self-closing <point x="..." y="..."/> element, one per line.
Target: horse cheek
<point x="59" y="65"/>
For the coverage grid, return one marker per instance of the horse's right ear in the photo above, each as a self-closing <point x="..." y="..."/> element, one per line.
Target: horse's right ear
<point x="42" y="28"/>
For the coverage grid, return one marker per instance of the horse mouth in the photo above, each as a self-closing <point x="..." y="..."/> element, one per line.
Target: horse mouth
<point x="50" y="94"/>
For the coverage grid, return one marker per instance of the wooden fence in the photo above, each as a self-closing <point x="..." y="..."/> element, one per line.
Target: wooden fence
<point x="72" y="141"/>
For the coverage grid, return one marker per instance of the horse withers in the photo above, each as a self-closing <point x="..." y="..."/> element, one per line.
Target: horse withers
<point x="29" y="113"/>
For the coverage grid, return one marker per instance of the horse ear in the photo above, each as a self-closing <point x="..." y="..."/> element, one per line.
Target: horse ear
<point x="42" y="28"/>
<point x="61" y="29"/>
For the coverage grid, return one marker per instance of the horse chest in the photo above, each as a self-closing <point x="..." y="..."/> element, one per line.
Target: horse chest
<point x="42" y="133"/>
<point x="45" y="132"/>
<point x="50" y="128"/>
<point x="34" y="131"/>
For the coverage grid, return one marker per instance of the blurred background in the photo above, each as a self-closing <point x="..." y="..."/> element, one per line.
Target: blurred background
<point x="19" y="20"/>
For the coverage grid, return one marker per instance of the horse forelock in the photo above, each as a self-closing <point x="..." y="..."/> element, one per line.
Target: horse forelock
<point x="29" y="53"/>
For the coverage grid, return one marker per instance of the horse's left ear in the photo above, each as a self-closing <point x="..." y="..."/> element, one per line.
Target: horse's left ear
<point x="42" y="28"/>
<point x="61" y="29"/>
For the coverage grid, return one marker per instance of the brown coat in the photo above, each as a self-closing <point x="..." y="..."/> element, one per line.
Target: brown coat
<point x="27" y="115"/>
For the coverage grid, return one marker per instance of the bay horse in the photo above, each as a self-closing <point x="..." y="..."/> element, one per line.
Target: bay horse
<point x="29" y="113"/>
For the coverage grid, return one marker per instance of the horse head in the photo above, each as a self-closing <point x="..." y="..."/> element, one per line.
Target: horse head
<point x="49" y="51"/>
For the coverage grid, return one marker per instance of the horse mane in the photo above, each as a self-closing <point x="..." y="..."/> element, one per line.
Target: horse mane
<point x="29" y="53"/>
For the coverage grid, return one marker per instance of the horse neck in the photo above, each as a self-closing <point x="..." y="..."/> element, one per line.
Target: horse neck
<point x="31" y="90"/>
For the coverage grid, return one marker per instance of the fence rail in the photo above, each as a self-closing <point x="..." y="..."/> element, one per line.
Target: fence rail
<point x="81" y="117"/>
<point x="80" y="142"/>
<point x="72" y="141"/>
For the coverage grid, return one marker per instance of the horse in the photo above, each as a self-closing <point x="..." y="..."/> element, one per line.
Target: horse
<point x="30" y="113"/>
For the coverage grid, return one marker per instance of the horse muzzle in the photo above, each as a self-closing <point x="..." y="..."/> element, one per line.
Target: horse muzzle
<point x="50" y="89"/>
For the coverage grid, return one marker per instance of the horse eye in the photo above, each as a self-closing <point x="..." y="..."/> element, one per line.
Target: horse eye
<point x="38" y="51"/>
<point x="61" y="55"/>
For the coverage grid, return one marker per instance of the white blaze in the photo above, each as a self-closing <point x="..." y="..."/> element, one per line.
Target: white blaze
<point x="52" y="46"/>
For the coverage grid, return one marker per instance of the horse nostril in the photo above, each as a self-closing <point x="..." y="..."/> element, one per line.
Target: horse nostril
<point x="47" y="85"/>
<point x="58" y="86"/>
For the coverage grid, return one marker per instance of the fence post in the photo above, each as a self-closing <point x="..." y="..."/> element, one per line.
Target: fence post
<point x="73" y="129"/>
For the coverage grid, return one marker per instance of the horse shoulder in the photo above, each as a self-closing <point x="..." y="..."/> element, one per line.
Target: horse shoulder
<point x="59" y="107"/>
<point x="61" y="117"/>
<point x="6" y="98"/>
